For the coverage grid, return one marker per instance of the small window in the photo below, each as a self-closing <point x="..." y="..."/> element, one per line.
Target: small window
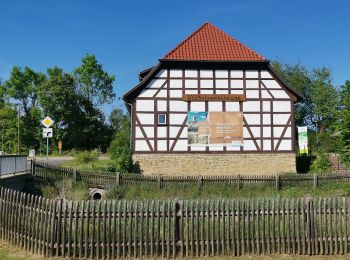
<point x="161" y="119"/>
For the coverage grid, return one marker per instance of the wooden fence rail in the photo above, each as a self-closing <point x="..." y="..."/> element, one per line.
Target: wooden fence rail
<point x="168" y="229"/>
<point x="43" y="172"/>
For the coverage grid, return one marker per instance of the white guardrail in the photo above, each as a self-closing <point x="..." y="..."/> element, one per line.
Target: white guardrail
<point x="10" y="164"/>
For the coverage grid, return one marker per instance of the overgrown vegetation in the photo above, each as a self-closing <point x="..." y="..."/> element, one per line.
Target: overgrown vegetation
<point x="321" y="164"/>
<point x="151" y="192"/>
<point x="87" y="156"/>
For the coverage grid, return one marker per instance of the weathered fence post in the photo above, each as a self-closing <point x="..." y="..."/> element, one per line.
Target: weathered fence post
<point x="117" y="179"/>
<point x="310" y="227"/>
<point x="160" y="181"/>
<point x="32" y="167"/>
<point x="200" y="181"/>
<point x="315" y="180"/>
<point x="239" y="178"/>
<point x="177" y="230"/>
<point x="75" y="175"/>
<point x="277" y="182"/>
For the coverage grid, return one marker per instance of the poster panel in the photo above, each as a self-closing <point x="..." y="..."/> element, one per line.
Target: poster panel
<point x="303" y="140"/>
<point x="215" y="128"/>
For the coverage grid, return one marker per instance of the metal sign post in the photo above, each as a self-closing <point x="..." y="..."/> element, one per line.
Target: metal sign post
<point x="47" y="132"/>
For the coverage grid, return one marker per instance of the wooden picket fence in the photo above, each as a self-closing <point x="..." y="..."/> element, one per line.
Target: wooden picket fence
<point x="47" y="173"/>
<point x="169" y="229"/>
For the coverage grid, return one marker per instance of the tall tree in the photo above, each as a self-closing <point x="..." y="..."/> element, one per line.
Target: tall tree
<point x="344" y="122"/>
<point x="118" y="120"/>
<point x="95" y="84"/>
<point x="22" y="87"/>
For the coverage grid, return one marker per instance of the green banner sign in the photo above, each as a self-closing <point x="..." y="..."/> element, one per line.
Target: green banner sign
<point x="302" y="140"/>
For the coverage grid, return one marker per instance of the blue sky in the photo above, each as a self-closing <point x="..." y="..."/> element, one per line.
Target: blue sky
<point x="129" y="36"/>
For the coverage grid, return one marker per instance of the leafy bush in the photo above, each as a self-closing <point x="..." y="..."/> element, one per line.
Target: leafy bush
<point x="321" y="164"/>
<point x="115" y="192"/>
<point x="87" y="156"/>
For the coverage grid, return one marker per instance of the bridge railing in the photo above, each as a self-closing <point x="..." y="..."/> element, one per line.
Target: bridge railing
<point x="11" y="164"/>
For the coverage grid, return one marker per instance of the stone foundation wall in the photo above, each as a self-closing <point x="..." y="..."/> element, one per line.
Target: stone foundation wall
<point x="216" y="164"/>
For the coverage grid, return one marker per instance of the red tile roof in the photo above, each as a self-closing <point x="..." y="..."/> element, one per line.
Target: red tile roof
<point x="210" y="43"/>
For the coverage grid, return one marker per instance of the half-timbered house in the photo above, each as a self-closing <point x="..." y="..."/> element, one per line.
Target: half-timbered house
<point x="212" y="106"/>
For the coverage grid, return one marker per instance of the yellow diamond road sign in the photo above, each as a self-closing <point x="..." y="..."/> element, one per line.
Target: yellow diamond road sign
<point x="47" y="121"/>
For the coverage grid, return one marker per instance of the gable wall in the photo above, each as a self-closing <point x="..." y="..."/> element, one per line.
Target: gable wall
<point x="268" y="110"/>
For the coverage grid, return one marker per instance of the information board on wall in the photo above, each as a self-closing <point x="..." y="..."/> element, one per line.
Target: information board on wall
<point x="215" y="128"/>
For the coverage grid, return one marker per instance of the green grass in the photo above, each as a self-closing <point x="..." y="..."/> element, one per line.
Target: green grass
<point x="149" y="192"/>
<point x="99" y="165"/>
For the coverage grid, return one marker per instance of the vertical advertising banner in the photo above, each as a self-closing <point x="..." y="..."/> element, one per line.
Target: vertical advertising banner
<point x="215" y="128"/>
<point x="302" y="140"/>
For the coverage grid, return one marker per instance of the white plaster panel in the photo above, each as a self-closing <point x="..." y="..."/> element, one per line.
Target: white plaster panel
<point x="215" y="106"/>
<point x="252" y="84"/>
<point x="161" y="105"/>
<point x="232" y="106"/>
<point x="237" y="91"/>
<point x="255" y="131"/>
<point x="266" y="106"/>
<point x="266" y="131"/>
<point x="221" y="74"/>
<point x="173" y="131"/>
<point x="177" y="118"/>
<point x="175" y="73"/>
<point x="249" y="145"/>
<point x="251" y="74"/>
<point x="221" y="91"/>
<point x="221" y="83"/>
<point x="184" y="133"/>
<point x="252" y="119"/>
<point x="277" y="131"/>
<point x="144" y="105"/>
<point x="175" y="83"/>
<point x="156" y="83"/>
<point x="280" y="119"/>
<point x="141" y="145"/>
<point x="271" y="84"/>
<point x="149" y="131"/>
<point x="162" y="93"/>
<point x="181" y="145"/>
<point x="197" y="106"/>
<point x="162" y="74"/>
<point x="279" y="94"/>
<point x="266" y="119"/>
<point x="191" y="73"/>
<point x="162" y="145"/>
<point x="236" y="83"/>
<point x="206" y="91"/>
<point x="267" y="145"/>
<point x="162" y="131"/>
<point x="285" y="145"/>
<point x="288" y="132"/>
<point x="233" y="148"/>
<point x="246" y="133"/>
<point x="281" y="106"/>
<point x="264" y="74"/>
<point x="146" y="118"/>
<point x="191" y="83"/>
<point x="175" y="93"/>
<point x="206" y="73"/>
<point x="216" y="148"/>
<point x="191" y="91"/>
<point x="251" y="106"/>
<point x="138" y="132"/>
<point x="236" y="73"/>
<point x="148" y="93"/>
<point x="265" y="94"/>
<point x="252" y="93"/>
<point x="207" y="83"/>
<point x="198" y="148"/>
<point x="176" y="106"/>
